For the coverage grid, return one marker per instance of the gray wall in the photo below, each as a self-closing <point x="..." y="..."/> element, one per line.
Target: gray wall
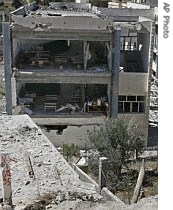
<point x="144" y="40"/>
<point x="68" y="89"/>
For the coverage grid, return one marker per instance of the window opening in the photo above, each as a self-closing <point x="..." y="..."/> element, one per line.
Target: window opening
<point x="131" y="104"/>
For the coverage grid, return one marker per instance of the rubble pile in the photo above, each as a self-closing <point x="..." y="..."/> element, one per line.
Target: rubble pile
<point x="153" y="112"/>
<point x="41" y="178"/>
<point x="47" y="172"/>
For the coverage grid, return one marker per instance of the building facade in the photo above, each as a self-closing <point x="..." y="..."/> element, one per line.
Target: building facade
<point x="76" y="60"/>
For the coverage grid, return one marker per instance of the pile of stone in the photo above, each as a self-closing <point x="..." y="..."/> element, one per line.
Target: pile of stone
<point x="37" y="168"/>
<point x="41" y="178"/>
<point x="153" y="113"/>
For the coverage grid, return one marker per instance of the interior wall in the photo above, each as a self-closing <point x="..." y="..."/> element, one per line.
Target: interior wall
<point x="69" y="89"/>
<point x="16" y="48"/>
<point x="30" y="44"/>
<point x="92" y="91"/>
<point x="122" y="59"/>
<point x="42" y="89"/>
<point x="76" y="48"/>
<point x="95" y="91"/>
<point x="98" y="53"/>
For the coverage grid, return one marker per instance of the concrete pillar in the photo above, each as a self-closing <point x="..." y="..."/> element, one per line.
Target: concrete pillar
<point x="13" y="88"/>
<point x="115" y="73"/>
<point x="85" y="54"/>
<point x="83" y="93"/>
<point x="102" y="172"/>
<point x="7" y="65"/>
<point x="109" y="99"/>
<point x="6" y="176"/>
<point x="109" y="47"/>
<point x="120" y="4"/>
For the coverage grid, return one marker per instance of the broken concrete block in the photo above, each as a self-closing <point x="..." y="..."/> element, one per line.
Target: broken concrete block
<point x="48" y="206"/>
<point x="27" y="182"/>
<point x="59" y="198"/>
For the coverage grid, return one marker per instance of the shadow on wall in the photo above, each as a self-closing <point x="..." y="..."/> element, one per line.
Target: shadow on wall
<point x="152" y="136"/>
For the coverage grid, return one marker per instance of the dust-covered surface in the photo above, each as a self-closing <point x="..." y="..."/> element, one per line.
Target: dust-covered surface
<point x="54" y="185"/>
<point x="21" y="138"/>
<point x="2" y="90"/>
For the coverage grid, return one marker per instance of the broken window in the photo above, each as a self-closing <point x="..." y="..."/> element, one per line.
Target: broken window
<point x="141" y="107"/>
<point x="140" y="98"/>
<point x="135" y="107"/>
<point x="129" y="42"/>
<point x="126" y="106"/>
<point x="131" y="98"/>
<point x="120" y="107"/>
<point x="121" y="98"/>
<point x="131" y="104"/>
<point x="122" y="43"/>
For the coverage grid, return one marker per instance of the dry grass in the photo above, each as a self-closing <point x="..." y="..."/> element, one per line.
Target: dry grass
<point x="150" y="182"/>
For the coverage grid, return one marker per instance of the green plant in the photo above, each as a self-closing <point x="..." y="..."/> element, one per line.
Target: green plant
<point x="117" y="140"/>
<point x="70" y="150"/>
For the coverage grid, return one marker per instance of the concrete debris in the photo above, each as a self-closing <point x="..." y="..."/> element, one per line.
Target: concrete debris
<point x="153" y="112"/>
<point x="42" y="153"/>
<point x="82" y="162"/>
<point x="59" y="189"/>
<point x="5" y="206"/>
<point x="28" y="111"/>
<point x="27" y="182"/>
<point x="51" y="189"/>
<point x="68" y="108"/>
<point x="149" y="154"/>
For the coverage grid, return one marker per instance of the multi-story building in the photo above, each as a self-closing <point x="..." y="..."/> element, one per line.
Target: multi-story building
<point x="76" y="60"/>
<point x="142" y="4"/>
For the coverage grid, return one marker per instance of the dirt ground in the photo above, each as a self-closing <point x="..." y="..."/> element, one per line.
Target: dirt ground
<point x="150" y="182"/>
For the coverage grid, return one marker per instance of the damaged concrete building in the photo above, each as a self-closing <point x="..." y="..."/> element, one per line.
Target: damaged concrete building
<point x="73" y="60"/>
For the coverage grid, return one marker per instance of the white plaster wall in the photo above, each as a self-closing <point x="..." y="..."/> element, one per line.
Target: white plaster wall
<point x="133" y="83"/>
<point x="71" y="135"/>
